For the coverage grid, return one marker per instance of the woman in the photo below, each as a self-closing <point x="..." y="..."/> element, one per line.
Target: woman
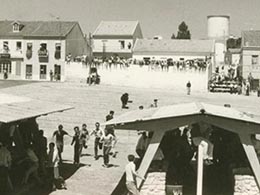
<point x="76" y="142"/>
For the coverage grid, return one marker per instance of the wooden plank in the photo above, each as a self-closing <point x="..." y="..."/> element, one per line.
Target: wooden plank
<point x="251" y="155"/>
<point x="200" y="171"/>
<point x="149" y="154"/>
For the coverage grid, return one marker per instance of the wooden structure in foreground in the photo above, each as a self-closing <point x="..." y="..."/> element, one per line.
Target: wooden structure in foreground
<point x="160" y="120"/>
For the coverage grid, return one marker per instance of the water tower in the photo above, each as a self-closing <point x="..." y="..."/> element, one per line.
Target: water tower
<point x="218" y="30"/>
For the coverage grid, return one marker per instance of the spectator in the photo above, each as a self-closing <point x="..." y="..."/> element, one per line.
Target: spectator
<point x="124" y="100"/>
<point x="131" y="175"/>
<point x="59" y="134"/>
<point x="98" y="133"/>
<point x="155" y="101"/>
<point x="5" y="163"/>
<point x="42" y="151"/>
<point x="51" y="75"/>
<point x="84" y="137"/>
<point x="76" y="142"/>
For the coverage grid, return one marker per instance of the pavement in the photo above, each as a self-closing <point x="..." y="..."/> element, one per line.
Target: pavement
<point x="92" y="104"/>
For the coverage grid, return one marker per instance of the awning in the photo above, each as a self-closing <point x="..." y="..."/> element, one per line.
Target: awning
<point x="14" y="108"/>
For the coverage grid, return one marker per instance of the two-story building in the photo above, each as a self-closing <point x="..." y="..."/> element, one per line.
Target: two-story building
<point x="116" y="38"/>
<point x="250" y="53"/>
<point x="31" y="50"/>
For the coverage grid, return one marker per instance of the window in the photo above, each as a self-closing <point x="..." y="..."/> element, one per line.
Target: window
<point x="28" y="69"/>
<point x="122" y="44"/>
<point x="5" y="46"/>
<point x="43" y="46"/>
<point x="29" y="46"/>
<point x="43" y="71"/>
<point x="6" y="66"/>
<point x="57" y="50"/>
<point x="18" y="45"/>
<point x="255" y="59"/>
<point x="29" y="50"/>
<point x="16" y="27"/>
<point x="129" y="45"/>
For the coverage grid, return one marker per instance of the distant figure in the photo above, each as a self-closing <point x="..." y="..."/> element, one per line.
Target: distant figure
<point x="131" y="175"/>
<point x="188" y="85"/>
<point x="125" y="99"/>
<point x="107" y="140"/>
<point x="141" y="107"/>
<point x="51" y="75"/>
<point x="110" y="116"/>
<point x="59" y="134"/>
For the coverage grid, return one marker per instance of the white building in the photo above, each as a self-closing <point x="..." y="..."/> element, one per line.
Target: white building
<point x="31" y="49"/>
<point x="116" y="38"/>
<point x="175" y="49"/>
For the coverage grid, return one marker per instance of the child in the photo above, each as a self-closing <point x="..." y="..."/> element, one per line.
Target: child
<point x="76" y="142"/>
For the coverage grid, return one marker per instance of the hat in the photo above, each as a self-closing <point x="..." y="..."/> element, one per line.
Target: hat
<point x="155" y="100"/>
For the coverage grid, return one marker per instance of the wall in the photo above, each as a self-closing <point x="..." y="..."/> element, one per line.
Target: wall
<point x="112" y="45"/>
<point x="247" y="66"/>
<point x="76" y="44"/>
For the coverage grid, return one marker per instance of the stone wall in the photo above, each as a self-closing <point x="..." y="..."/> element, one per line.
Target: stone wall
<point x="244" y="182"/>
<point x="154" y="184"/>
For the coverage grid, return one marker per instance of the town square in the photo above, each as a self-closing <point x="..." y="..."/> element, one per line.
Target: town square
<point x="110" y="105"/>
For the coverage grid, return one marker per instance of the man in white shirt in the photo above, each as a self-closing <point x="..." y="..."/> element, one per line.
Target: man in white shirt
<point x="131" y="176"/>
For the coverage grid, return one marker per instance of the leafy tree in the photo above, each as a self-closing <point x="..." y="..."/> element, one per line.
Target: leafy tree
<point x="183" y="32"/>
<point x="173" y="36"/>
<point x="234" y="43"/>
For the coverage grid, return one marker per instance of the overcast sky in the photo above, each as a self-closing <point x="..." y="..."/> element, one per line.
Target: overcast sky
<point x="157" y="17"/>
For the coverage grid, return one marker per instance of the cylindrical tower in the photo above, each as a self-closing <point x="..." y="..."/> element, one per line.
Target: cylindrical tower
<point x="218" y="27"/>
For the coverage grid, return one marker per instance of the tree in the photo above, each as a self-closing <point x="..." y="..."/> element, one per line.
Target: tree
<point x="173" y="36"/>
<point x="234" y="43"/>
<point x="183" y="32"/>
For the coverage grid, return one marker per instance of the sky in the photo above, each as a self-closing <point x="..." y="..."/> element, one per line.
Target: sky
<point x="156" y="17"/>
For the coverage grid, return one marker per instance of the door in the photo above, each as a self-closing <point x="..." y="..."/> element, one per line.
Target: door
<point x="18" y="68"/>
<point x="28" y="71"/>
<point x="43" y="71"/>
<point x="57" y="72"/>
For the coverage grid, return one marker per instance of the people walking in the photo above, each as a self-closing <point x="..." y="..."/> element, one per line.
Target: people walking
<point x="188" y="85"/>
<point x="131" y="175"/>
<point x="83" y="139"/>
<point x="107" y="140"/>
<point x="76" y="143"/>
<point x="98" y="133"/>
<point x="59" y="134"/>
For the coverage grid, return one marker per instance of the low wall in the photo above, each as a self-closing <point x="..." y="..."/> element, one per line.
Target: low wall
<point x="154" y="184"/>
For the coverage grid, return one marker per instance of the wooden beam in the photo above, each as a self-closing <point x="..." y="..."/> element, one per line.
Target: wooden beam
<point x="232" y="125"/>
<point x="149" y="154"/>
<point x="163" y="123"/>
<point x="251" y="155"/>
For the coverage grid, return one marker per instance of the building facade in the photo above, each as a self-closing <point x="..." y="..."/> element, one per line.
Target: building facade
<point x="32" y="50"/>
<point x="177" y="50"/>
<point x="115" y="38"/>
<point x="250" y="54"/>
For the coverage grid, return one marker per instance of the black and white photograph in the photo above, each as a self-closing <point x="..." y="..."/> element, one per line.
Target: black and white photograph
<point x="129" y="97"/>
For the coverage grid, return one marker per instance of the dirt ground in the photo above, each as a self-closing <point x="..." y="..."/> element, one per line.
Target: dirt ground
<point x="92" y="104"/>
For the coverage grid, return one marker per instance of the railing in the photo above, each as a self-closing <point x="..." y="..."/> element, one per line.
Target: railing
<point x="43" y="55"/>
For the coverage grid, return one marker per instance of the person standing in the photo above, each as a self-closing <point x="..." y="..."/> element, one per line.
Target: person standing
<point x="141" y="145"/>
<point x="131" y="175"/>
<point x="98" y="133"/>
<point x="59" y="134"/>
<point x="41" y="151"/>
<point x="5" y="74"/>
<point x="188" y="85"/>
<point x="76" y="142"/>
<point x="51" y="75"/>
<point x="107" y="140"/>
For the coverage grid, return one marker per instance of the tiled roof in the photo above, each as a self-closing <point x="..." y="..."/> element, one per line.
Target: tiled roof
<point x="36" y="28"/>
<point x="251" y="38"/>
<point x="116" y="28"/>
<point x="174" y="46"/>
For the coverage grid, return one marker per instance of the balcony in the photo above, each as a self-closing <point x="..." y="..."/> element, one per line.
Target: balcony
<point x="43" y="55"/>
